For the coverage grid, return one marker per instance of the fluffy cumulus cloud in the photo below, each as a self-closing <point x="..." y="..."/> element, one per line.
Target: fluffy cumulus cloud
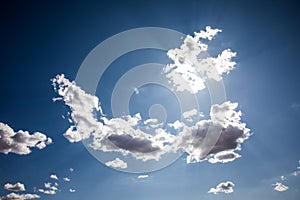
<point x="14" y="196"/>
<point x="192" y="66"/>
<point x="216" y="139"/>
<point x="53" y="176"/>
<point x="20" y="142"/>
<point x="125" y="136"/>
<point x="117" y="163"/>
<point x="226" y="187"/>
<point x="280" y="187"/>
<point x="14" y="187"/>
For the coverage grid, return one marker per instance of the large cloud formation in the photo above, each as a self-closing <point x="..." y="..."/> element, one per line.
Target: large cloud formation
<point x="124" y="135"/>
<point x="216" y="139"/>
<point x="21" y="141"/>
<point x="226" y="187"/>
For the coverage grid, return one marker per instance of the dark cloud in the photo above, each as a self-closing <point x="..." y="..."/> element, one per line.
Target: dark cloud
<point x="132" y="144"/>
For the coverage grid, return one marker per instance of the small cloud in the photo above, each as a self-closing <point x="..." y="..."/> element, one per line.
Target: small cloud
<point x="280" y="187"/>
<point x="20" y="142"/>
<point x="53" y="176"/>
<point x="117" y="163"/>
<point x="226" y="187"/>
<point x="71" y="169"/>
<point x="72" y="190"/>
<point x="295" y="173"/>
<point x="67" y="179"/>
<point x="14" y="196"/>
<point x="50" y="192"/>
<point x="14" y="187"/>
<point x="136" y="90"/>
<point x="143" y="176"/>
<point x="282" y="178"/>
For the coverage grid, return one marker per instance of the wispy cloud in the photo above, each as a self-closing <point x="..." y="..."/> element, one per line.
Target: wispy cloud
<point x="143" y="176"/>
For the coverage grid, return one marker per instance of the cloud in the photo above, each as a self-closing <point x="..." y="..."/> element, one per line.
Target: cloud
<point x="72" y="190"/>
<point x="226" y="187"/>
<point x="224" y="120"/>
<point x="21" y="141"/>
<point x="71" y="169"/>
<point x="53" y="176"/>
<point x="192" y="66"/>
<point x="14" y="187"/>
<point x="124" y="135"/>
<point x="280" y="187"/>
<point x="143" y="176"/>
<point x="50" y="192"/>
<point x="282" y="178"/>
<point x="117" y="163"/>
<point x="14" y="196"/>
<point x="67" y="179"/>
<point x="49" y="189"/>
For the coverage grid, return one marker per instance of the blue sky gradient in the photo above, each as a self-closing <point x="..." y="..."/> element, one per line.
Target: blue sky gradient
<point x="42" y="39"/>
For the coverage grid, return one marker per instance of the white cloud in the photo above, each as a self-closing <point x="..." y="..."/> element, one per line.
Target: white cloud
<point x="14" y="196"/>
<point x="21" y="141"/>
<point x="282" y="178"/>
<point x="192" y="66"/>
<point x="143" y="176"/>
<point x="295" y="173"/>
<point x="71" y="169"/>
<point x="67" y="179"/>
<point x="49" y="188"/>
<point x="72" y="190"/>
<point x="280" y="187"/>
<point x="117" y="163"/>
<point x="14" y="187"/>
<point x="226" y="187"/>
<point x="136" y="90"/>
<point x="50" y="192"/>
<point x="53" y="176"/>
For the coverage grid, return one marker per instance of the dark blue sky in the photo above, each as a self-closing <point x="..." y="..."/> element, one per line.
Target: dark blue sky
<point x="42" y="39"/>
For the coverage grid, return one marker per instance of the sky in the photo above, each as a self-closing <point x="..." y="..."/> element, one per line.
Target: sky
<point x="41" y="40"/>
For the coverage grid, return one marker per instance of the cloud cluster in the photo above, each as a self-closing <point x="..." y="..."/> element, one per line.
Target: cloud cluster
<point x="125" y="136"/>
<point x="192" y="66"/>
<point x="14" y="187"/>
<point x="20" y="142"/>
<point x="280" y="187"/>
<point x="14" y="196"/>
<point x="226" y="187"/>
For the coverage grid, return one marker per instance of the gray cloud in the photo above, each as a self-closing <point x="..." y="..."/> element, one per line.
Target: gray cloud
<point x="132" y="144"/>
